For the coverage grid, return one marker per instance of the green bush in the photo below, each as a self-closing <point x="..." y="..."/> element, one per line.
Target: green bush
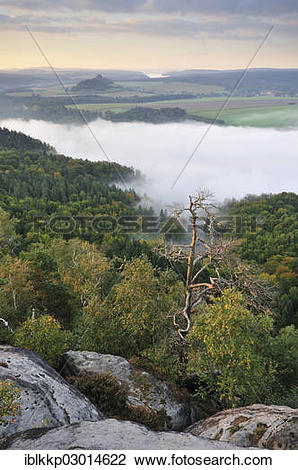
<point x="110" y="397"/>
<point x="230" y="350"/>
<point x="9" y="402"/>
<point x="137" y="315"/>
<point x="6" y="337"/>
<point x="290" y="398"/>
<point x="162" y="360"/>
<point x="45" y="336"/>
<point x="285" y="354"/>
<point x="103" y="390"/>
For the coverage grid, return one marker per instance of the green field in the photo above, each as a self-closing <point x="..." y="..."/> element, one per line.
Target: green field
<point x="279" y="116"/>
<point x="255" y="112"/>
<point x="162" y="87"/>
<point x="130" y="88"/>
<point x="258" y="111"/>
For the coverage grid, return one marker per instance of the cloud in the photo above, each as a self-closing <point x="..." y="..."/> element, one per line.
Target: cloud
<point x="225" y="19"/>
<point x="210" y="7"/>
<point x="166" y="27"/>
<point x="54" y="23"/>
<point x="116" y="6"/>
<point x="235" y="7"/>
<point x="241" y="28"/>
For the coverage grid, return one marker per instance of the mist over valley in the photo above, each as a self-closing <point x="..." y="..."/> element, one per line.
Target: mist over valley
<point x="230" y="162"/>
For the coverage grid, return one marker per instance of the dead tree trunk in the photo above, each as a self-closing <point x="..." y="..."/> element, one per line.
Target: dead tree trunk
<point x="205" y="251"/>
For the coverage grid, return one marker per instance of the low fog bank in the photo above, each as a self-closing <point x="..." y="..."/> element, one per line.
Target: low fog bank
<point x="231" y="162"/>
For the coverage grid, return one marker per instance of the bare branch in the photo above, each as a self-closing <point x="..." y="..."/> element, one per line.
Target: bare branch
<point x="6" y="324"/>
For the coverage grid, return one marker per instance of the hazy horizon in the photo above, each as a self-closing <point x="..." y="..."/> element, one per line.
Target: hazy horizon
<point x="148" y="69"/>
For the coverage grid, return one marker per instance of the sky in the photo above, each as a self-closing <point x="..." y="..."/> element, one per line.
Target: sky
<point x="148" y="35"/>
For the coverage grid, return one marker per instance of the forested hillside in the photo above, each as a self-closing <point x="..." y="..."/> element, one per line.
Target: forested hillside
<point x="276" y="222"/>
<point x="274" y="246"/>
<point x="35" y="183"/>
<point x="19" y="141"/>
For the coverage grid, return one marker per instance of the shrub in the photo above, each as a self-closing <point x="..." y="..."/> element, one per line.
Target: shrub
<point x="103" y="390"/>
<point x="6" y="337"/>
<point x="137" y="315"/>
<point x="9" y="401"/>
<point x="111" y="397"/>
<point x="45" y="336"/>
<point x="291" y="398"/>
<point x="230" y="350"/>
<point x="154" y="420"/>
<point x="162" y="360"/>
<point x="285" y="353"/>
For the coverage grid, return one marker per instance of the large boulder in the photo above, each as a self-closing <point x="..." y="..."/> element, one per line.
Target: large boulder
<point x="107" y="434"/>
<point x="143" y="388"/>
<point x="272" y="427"/>
<point x="46" y="399"/>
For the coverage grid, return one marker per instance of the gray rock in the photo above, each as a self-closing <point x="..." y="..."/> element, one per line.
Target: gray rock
<point x="143" y="388"/>
<point x="108" y="434"/>
<point x="272" y="427"/>
<point x="47" y="400"/>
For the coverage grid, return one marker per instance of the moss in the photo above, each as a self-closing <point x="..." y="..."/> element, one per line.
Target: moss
<point x="111" y="397"/>
<point x="9" y="402"/>
<point x="155" y="420"/>
<point x="239" y="420"/>
<point x="143" y="384"/>
<point x="219" y="435"/>
<point x="255" y="437"/>
<point x="234" y="429"/>
<point x="103" y="390"/>
<point x="151" y="368"/>
<point x="235" y="424"/>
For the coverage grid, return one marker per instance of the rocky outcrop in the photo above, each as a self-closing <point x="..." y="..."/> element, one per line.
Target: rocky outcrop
<point x="272" y="427"/>
<point x="143" y="388"/>
<point x="108" y="434"/>
<point x="46" y="400"/>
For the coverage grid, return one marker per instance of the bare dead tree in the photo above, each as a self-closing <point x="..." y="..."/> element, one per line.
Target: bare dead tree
<point x="209" y="252"/>
<point x="5" y="323"/>
<point x="203" y="251"/>
<point x="258" y="292"/>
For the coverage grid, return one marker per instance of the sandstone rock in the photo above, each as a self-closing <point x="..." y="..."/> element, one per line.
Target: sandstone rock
<point x="107" y="434"/>
<point x="47" y="400"/>
<point x="143" y="388"/>
<point x="272" y="427"/>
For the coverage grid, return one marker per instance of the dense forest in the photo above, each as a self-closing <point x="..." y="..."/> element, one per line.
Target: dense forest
<point x="155" y="115"/>
<point x="36" y="184"/>
<point x="273" y="245"/>
<point x="143" y="114"/>
<point x="47" y="110"/>
<point x="111" y="292"/>
<point x="19" y="141"/>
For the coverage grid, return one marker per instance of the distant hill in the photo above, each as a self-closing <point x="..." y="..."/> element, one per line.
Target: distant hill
<point x="42" y="77"/>
<point x="255" y="81"/>
<point x="99" y="83"/>
<point x="19" y="141"/>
